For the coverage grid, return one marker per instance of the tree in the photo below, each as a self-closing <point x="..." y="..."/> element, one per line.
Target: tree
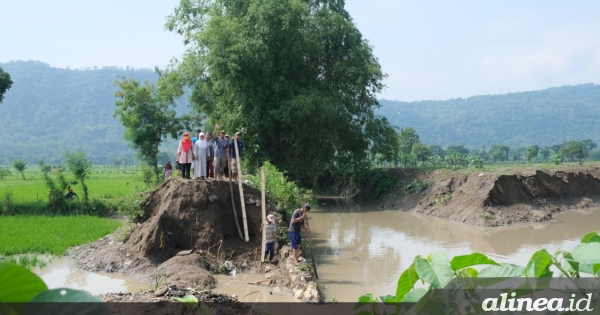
<point x="460" y="149"/>
<point x="81" y="168"/>
<point x="590" y="144"/>
<point x="146" y="111"/>
<point x="20" y="165"/>
<point x="296" y="75"/>
<point x="545" y="152"/>
<point x="574" y="150"/>
<point x="437" y="150"/>
<point x="421" y="151"/>
<point x="4" y="173"/>
<point x="532" y="152"/>
<point x="46" y="168"/>
<point x="406" y="139"/>
<point x="5" y="83"/>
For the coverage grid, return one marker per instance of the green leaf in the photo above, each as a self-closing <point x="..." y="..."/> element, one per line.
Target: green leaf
<point x="594" y="239"/>
<point x="65" y="301"/>
<point x="190" y="301"/>
<point x="364" y="300"/>
<point x="19" y="284"/>
<point x="406" y="281"/>
<point x="539" y="264"/>
<point x="586" y="238"/>
<point x="460" y="262"/>
<point x="387" y="299"/>
<point x="597" y="270"/>
<point x="467" y="273"/>
<point x="437" y="272"/>
<point x="503" y="270"/>
<point x="415" y="295"/>
<point x="587" y="253"/>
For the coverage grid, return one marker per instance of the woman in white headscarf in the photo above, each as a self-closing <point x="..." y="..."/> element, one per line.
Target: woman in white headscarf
<point x="202" y="152"/>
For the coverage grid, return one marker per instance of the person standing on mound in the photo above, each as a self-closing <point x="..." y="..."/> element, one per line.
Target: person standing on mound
<point x="296" y="222"/>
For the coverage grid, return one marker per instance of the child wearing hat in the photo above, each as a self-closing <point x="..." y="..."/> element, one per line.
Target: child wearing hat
<point x="270" y="227"/>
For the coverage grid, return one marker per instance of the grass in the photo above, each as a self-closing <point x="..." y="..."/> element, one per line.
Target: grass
<point x="104" y="182"/>
<point x="51" y="235"/>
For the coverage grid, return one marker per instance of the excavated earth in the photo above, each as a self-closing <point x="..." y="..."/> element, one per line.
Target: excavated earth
<point x="188" y="231"/>
<point x="488" y="199"/>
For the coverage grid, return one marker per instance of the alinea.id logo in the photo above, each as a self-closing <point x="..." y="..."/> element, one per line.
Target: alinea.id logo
<point x="538" y="304"/>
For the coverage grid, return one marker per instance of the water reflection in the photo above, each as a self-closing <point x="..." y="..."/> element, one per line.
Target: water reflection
<point x="361" y="250"/>
<point x="63" y="272"/>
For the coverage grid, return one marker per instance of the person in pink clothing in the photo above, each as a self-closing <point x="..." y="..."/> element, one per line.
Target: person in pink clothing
<point x="185" y="155"/>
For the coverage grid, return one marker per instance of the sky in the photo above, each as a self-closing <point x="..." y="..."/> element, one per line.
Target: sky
<point x="430" y="50"/>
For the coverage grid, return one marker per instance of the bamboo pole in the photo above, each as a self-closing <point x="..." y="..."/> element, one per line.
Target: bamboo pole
<point x="309" y="236"/>
<point x="237" y="221"/>
<point x="239" y="176"/>
<point x="263" y="203"/>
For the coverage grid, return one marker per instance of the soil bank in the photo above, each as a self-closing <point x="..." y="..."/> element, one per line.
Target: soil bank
<point x="188" y="231"/>
<point x="486" y="199"/>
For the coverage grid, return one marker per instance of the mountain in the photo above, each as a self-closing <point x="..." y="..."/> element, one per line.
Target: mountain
<point x="49" y="110"/>
<point x="543" y="117"/>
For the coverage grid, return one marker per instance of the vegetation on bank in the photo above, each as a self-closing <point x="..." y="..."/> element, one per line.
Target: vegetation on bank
<point x="436" y="271"/>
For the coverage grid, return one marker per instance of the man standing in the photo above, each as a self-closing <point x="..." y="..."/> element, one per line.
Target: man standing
<point x="296" y="222"/>
<point x="231" y="153"/>
<point x="210" y="160"/>
<point x="220" y="161"/>
<point x="271" y="228"/>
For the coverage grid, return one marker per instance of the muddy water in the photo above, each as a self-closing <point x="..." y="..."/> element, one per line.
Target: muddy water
<point x="360" y="250"/>
<point x="63" y="272"/>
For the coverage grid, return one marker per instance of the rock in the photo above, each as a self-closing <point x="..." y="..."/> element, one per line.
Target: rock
<point x="185" y="252"/>
<point x="298" y="293"/>
<point x="311" y="294"/>
<point x="212" y="198"/>
<point x="277" y="289"/>
<point x="285" y="252"/>
<point x="161" y="291"/>
<point x="229" y="265"/>
<point x="272" y="276"/>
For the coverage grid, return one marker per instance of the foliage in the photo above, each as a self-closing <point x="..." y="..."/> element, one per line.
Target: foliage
<point x="416" y="186"/>
<point x="475" y="161"/>
<point x="51" y="235"/>
<point x="78" y="164"/>
<point x="486" y="215"/>
<point x="6" y="206"/>
<point x="4" y="172"/>
<point x="436" y="270"/>
<point x="407" y="138"/>
<point x="460" y="149"/>
<point x="421" y="151"/>
<point x="20" y="165"/>
<point x="191" y="304"/>
<point x="158" y="280"/>
<point x="532" y="152"/>
<point x="556" y="159"/>
<point x="280" y="190"/>
<point x="442" y="199"/>
<point x="21" y="286"/>
<point x="273" y="66"/>
<point x="5" y="83"/>
<point x="574" y="150"/>
<point x="455" y="160"/>
<point x="147" y="113"/>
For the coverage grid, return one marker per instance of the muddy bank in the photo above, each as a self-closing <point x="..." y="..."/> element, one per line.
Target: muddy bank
<point x="489" y="199"/>
<point x="187" y="233"/>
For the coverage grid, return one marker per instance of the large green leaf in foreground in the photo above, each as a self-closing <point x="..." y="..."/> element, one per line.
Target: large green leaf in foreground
<point x="65" y="301"/>
<point x="18" y="284"/>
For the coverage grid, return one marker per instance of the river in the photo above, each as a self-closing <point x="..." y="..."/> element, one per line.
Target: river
<point x="362" y="250"/>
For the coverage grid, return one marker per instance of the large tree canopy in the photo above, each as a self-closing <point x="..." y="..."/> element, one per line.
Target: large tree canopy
<point x="5" y="83"/>
<point x="296" y="75"/>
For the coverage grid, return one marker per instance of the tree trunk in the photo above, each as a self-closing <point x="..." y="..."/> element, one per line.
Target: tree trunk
<point x="22" y="175"/>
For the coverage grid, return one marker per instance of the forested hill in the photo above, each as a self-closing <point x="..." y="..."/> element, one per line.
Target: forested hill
<point x="51" y="109"/>
<point x="543" y="117"/>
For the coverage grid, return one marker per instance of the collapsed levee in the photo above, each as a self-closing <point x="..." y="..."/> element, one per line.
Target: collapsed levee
<point x="495" y="200"/>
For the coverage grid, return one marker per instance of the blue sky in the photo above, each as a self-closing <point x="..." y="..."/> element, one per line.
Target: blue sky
<point x="429" y="49"/>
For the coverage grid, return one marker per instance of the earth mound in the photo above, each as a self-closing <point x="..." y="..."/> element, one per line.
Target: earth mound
<point x="489" y="199"/>
<point x="188" y="229"/>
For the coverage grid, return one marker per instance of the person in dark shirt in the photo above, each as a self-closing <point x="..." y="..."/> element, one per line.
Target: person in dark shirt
<point x="297" y="222"/>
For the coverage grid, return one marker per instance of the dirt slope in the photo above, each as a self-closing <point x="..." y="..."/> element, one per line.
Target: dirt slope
<point x="486" y="199"/>
<point x="179" y="216"/>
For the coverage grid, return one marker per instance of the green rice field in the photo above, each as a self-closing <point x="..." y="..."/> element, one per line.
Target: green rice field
<point x="51" y="235"/>
<point x="104" y="182"/>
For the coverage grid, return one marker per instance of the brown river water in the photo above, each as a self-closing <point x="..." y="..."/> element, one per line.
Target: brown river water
<point x="362" y="250"/>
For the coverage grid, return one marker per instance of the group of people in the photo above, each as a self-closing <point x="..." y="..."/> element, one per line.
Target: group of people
<point x="203" y="157"/>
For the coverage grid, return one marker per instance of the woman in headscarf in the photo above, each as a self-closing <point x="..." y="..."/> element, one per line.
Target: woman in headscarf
<point x="202" y="152"/>
<point x="185" y="155"/>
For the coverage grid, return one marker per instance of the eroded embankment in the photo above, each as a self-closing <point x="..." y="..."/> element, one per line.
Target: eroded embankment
<point x="188" y="231"/>
<point x="486" y="199"/>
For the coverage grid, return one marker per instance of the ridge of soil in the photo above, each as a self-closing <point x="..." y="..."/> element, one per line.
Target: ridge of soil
<point x="187" y="232"/>
<point x="490" y="199"/>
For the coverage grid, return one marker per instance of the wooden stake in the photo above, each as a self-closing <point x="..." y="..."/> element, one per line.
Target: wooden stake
<point x="263" y="203"/>
<point x="239" y="176"/>
<point x="237" y="222"/>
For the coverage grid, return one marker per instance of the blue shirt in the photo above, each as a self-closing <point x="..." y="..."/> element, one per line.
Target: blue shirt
<point x="232" y="149"/>
<point x="221" y="146"/>
<point x="194" y="139"/>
